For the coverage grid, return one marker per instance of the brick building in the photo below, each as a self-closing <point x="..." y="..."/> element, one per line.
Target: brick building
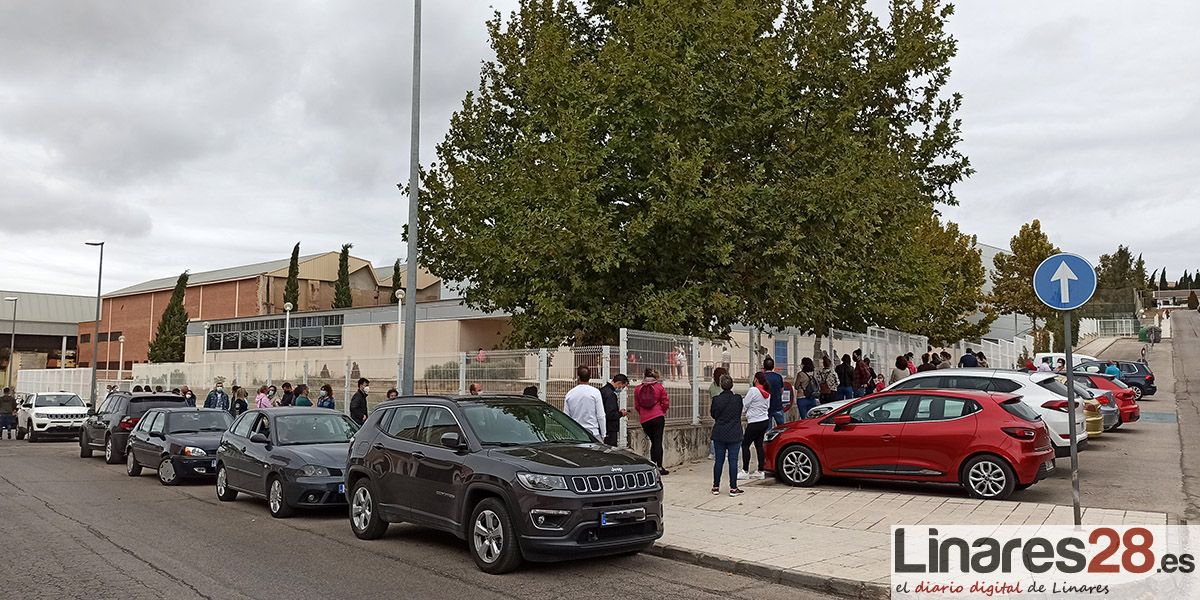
<point x="245" y="291"/>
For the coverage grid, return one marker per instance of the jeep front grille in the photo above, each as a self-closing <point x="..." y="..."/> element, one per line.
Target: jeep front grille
<point x="614" y="482"/>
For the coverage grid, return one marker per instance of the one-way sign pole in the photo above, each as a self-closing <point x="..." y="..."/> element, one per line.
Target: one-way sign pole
<point x="1065" y="282"/>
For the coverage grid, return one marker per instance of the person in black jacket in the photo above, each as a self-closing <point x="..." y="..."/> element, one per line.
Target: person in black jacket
<point x="358" y="402"/>
<point x="726" y="412"/>
<point x="613" y="412"/>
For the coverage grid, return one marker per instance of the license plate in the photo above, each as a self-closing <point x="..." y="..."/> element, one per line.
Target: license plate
<point x="1050" y="465"/>
<point x="620" y="517"/>
<point x="213" y="463"/>
<point x="341" y="488"/>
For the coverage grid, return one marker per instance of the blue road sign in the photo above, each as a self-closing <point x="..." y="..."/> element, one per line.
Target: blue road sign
<point x="1064" y="281"/>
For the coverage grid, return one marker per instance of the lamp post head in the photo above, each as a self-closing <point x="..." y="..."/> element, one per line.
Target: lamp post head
<point x="121" y="339"/>
<point x="94" y="243"/>
<point x="206" y="325"/>
<point x="400" y="294"/>
<point x="10" y="298"/>
<point x="287" y="306"/>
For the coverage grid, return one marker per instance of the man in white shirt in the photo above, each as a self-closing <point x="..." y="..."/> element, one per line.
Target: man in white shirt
<point x="585" y="404"/>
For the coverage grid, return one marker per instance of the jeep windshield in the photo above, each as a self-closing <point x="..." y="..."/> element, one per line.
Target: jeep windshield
<point x="50" y="400"/>
<point x="516" y="423"/>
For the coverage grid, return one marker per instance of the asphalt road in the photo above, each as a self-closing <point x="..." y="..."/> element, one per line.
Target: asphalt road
<point x="77" y="528"/>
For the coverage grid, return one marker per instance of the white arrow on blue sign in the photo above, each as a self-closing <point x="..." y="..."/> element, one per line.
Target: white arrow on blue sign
<point x="1064" y="281"/>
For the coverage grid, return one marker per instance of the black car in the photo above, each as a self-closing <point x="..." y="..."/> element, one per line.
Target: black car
<point x="108" y="427"/>
<point x="180" y="443"/>
<point x="513" y="476"/>
<point x="1135" y="374"/>
<point x="293" y="457"/>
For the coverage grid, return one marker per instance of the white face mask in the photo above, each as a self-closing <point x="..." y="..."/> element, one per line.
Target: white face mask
<point x="366" y="389"/>
<point x="322" y="393"/>
<point x="220" y="389"/>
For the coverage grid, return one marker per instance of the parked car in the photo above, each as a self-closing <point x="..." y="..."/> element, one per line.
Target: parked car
<point x="1126" y="399"/>
<point x="293" y="457"/>
<point x="50" y="414"/>
<point x="1136" y="375"/>
<point x="1057" y="356"/>
<point x="512" y="476"/>
<point x="108" y="427"/>
<point x="1043" y="392"/>
<point x="990" y="443"/>
<point x="180" y="443"/>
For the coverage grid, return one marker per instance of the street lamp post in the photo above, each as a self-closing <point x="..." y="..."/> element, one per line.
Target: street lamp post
<point x="414" y="192"/>
<point x="287" y="331"/>
<point x="96" y="327"/>
<point x="12" y="340"/>
<point x="400" y="339"/>
<point x="121" y="359"/>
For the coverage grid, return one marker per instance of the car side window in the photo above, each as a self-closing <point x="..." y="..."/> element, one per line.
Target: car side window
<point x="939" y="408"/>
<point x="158" y="423"/>
<point x="438" y="421"/>
<point x="966" y="383"/>
<point x="889" y="409"/>
<point x="104" y="406"/>
<point x="1004" y="385"/>
<point x="144" y="424"/>
<point x="263" y="426"/>
<point x="118" y="406"/>
<point x="920" y="383"/>
<point x="242" y="427"/>
<point x="1128" y="368"/>
<point x="406" y="422"/>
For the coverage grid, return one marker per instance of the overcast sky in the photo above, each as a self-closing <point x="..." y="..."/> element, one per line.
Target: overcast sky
<point x="202" y="135"/>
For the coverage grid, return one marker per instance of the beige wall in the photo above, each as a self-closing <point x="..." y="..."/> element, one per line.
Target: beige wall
<point x="483" y="333"/>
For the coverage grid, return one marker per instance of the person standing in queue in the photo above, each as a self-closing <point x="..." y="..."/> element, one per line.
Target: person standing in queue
<point x="775" y="389"/>
<point x="326" y="398"/>
<point x="827" y="381"/>
<point x="611" y="394"/>
<point x="8" y="411"/>
<point x="392" y="393"/>
<point x="358" y="402"/>
<point x="302" y="396"/>
<point x="714" y="390"/>
<point x="289" y="395"/>
<point x="240" y="405"/>
<point x="845" y="374"/>
<point x="651" y="402"/>
<point x="756" y="406"/>
<point x="726" y="411"/>
<point x="807" y="388"/>
<point x="272" y="393"/>
<point x="217" y="398"/>
<point x="263" y="399"/>
<point x="585" y="404"/>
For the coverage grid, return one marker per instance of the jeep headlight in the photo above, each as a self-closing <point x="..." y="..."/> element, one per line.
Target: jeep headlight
<point x="38" y="415"/>
<point x="314" y="471"/>
<point x="194" y="451"/>
<point x="542" y="483"/>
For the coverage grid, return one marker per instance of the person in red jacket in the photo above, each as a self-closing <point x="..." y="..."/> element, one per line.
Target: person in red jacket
<point x="651" y="402"/>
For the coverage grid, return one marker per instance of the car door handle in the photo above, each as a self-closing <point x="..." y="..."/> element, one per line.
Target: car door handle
<point x="377" y="446"/>
<point x="887" y="437"/>
<point x="419" y="455"/>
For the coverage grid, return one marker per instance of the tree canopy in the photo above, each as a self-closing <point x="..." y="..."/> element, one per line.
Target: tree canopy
<point x="169" y="340"/>
<point x="684" y="165"/>
<point x="341" y="288"/>
<point x="291" y="289"/>
<point x="1012" y="290"/>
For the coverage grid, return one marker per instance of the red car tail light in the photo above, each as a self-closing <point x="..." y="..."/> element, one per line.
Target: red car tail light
<point x="1150" y="378"/>
<point x="1027" y="434"/>
<point x="128" y="423"/>
<point x="1102" y="399"/>
<point x="1059" y="405"/>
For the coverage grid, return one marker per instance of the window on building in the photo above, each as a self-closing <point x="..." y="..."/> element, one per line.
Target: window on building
<point x="310" y="332"/>
<point x="85" y="338"/>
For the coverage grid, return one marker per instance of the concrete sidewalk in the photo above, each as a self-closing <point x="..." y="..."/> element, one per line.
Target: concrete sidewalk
<point x="830" y="538"/>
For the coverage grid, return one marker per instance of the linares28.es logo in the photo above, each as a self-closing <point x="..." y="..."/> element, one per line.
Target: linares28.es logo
<point x="1099" y="550"/>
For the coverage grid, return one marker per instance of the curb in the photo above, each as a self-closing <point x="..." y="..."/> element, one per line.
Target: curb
<point x="847" y="588"/>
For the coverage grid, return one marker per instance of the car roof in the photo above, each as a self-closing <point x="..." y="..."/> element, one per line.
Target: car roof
<point x="987" y="372"/>
<point x="459" y="399"/>
<point x="155" y="396"/>
<point x="296" y="410"/>
<point x="186" y="409"/>
<point x="997" y="397"/>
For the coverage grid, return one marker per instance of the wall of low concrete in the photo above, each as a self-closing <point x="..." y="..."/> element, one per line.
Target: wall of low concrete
<point x="681" y="443"/>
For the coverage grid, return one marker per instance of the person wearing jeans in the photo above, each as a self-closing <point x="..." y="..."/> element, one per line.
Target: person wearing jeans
<point x="755" y="406"/>
<point x="651" y="402"/>
<point x="726" y="411"/>
<point x="775" y="385"/>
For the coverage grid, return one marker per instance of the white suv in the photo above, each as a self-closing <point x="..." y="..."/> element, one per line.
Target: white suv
<point x="46" y="414"/>
<point x="1041" y="391"/>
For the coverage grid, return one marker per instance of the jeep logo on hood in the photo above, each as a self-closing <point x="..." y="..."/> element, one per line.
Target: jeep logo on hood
<point x="617" y="469"/>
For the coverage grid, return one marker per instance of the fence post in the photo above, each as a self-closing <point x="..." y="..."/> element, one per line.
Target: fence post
<point x="606" y="362"/>
<point x="462" y="373"/>
<point x="237" y="374"/>
<point x="695" y="374"/>
<point x="271" y="378"/>
<point x="543" y="373"/>
<point x="345" y="390"/>
<point x="306" y="372"/>
<point x="623" y="360"/>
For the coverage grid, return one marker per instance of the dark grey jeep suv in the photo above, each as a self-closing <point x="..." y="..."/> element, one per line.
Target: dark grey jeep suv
<point x="513" y="476"/>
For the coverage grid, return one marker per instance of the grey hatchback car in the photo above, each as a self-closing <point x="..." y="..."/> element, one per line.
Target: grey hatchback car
<point x="513" y="476"/>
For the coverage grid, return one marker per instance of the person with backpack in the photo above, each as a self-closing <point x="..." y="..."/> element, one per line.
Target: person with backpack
<point x="651" y="402"/>
<point x="864" y="377"/>
<point x="827" y="381"/>
<point x="806" y="387"/>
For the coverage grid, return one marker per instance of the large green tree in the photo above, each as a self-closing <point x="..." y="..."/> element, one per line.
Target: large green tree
<point x="951" y="305"/>
<point x="291" y="289"/>
<point x="681" y="165"/>
<point x="341" y="288"/>
<point x="1012" y="290"/>
<point x="168" y="343"/>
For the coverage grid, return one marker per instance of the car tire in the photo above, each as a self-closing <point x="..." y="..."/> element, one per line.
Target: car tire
<point x="798" y="465"/>
<point x="277" y="502"/>
<point x="224" y="492"/>
<point x="85" y="447"/>
<point x="1138" y="391"/>
<point x="132" y="468"/>
<point x="166" y="472"/>
<point x="31" y="437"/>
<point x="112" y="455"/>
<point x="988" y="477"/>
<point x="492" y="538"/>
<point x="20" y="432"/>
<point x="365" y="519"/>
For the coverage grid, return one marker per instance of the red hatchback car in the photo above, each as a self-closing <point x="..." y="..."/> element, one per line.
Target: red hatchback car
<point x="1125" y="395"/>
<point x="989" y="443"/>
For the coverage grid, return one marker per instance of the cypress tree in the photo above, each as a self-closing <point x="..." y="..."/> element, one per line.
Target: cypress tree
<point x="396" y="283"/>
<point x="1162" y="280"/>
<point x="291" y="290"/>
<point x="168" y="343"/>
<point x="341" y="290"/>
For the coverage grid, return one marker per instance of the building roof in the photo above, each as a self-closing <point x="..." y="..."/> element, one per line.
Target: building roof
<point x="37" y="307"/>
<point x="424" y="278"/>
<point x="229" y="274"/>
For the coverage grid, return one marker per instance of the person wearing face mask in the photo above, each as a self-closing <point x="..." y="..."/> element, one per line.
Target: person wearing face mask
<point x="358" y="402"/>
<point x="217" y="398"/>
<point x="326" y="398"/>
<point x="272" y="395"/>
<point x="263" y="400"/>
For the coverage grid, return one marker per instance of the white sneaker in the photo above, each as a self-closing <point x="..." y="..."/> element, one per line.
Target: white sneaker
<point x="760" y="475"/>
<point x="742" y="476"/>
